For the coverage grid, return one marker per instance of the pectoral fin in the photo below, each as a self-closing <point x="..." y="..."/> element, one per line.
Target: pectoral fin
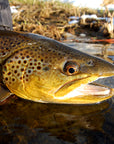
<point x="4" y="93"/>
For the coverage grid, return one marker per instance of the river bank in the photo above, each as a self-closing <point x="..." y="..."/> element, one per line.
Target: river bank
<point x="52" y="19"/>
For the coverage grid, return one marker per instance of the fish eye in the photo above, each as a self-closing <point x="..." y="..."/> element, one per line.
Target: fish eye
<point x="70" y="68"/>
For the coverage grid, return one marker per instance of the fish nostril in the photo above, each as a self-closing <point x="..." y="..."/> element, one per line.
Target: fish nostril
<point x="90" y="63"/>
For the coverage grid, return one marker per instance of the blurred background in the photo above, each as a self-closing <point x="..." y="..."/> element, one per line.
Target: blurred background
<point x="52" y="18"/>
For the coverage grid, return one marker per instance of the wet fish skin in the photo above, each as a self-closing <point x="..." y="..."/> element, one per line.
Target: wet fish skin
<point x="44" y="70"/>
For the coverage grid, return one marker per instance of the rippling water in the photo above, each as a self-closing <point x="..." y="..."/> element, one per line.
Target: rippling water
<point x="27" y="122"/>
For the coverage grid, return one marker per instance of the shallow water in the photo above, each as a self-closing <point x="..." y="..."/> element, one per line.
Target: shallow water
<point x="26" y="122"/>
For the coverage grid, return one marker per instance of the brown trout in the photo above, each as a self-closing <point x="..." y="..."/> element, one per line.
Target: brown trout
<point x="40" y="69"/>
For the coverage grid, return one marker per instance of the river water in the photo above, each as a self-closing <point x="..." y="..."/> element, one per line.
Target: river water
<point x="27" y="122"/>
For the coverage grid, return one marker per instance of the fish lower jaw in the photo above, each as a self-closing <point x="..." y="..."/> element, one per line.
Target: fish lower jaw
<point x="86" y="90"/>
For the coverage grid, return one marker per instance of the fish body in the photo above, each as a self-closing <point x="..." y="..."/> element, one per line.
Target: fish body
<point x="43" y="70"/>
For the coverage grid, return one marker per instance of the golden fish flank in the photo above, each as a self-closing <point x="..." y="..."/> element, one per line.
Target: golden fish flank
<point x="44" y="70"/>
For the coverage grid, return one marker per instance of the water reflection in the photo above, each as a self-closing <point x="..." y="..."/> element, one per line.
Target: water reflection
<point x="27" y="122"/>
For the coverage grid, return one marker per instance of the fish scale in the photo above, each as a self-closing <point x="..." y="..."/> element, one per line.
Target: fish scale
<point x="40" y="69"/>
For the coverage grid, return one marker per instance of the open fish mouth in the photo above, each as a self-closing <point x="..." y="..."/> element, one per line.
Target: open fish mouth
<point x="89" y="90"/>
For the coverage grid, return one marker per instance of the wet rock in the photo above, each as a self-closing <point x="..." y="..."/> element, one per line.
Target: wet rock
<point x="69" y="36"/>
<point x="82" y="35"/>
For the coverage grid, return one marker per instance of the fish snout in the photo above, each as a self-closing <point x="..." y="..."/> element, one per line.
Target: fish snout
<point x="100" y="68"/>
<point x="107" y="69"/>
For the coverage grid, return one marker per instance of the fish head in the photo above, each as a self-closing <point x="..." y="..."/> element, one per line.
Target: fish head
<point x="49" y="71"/>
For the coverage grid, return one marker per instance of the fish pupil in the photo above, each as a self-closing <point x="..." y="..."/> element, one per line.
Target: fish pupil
<point x="71" y="70"/>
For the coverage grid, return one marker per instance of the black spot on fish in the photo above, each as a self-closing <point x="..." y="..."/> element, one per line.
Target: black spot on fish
<point x="6" y="78"/>
<point x="18" y="43"/>
<point x="41" y="60"/>
<point x="27" y="56"/>
<point x="46" y="68"/>
<point x="29" y="71"/>
<point x="5" y="68"/>
<point x="13" y="79"/>
<point x="9" y="73"/>
<point x="38" y="67"/>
